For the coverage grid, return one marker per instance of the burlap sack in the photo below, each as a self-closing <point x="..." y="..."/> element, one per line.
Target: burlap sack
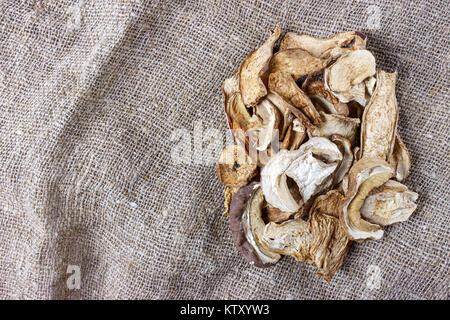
<point x="100" y="176"/>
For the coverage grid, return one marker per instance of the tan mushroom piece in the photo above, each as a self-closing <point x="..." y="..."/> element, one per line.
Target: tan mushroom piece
<point x="391" y="203"/>
<point x="324" y="99"/>
<point x="337" y="124"/>
<point x="289" y="238"/>
<point x="364" y="176"/>
<point x="252" y="87"/>
<point x="329" y="243"/>
<point x="296" y="63"/>
<point x="400" y="159"/>
<point x="379" y="121"/>
<point x="286" y="115"/>
<point x="229" y="192"/>
<point x="311" y="167"/>
<point x="335" y="46"/>
<point x="272" y="214"/>
<point x="261" y="136"/>
<point x="229" y="88"/>
<point x="237" y="111"/>
<point x="285" y="86"/>
<point x="344" y="146"/>
<point x="235" y="168"/>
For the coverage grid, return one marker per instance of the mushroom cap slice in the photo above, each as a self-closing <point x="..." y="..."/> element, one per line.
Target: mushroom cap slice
<point x="237" y="111"/>
<point x="234" y="167"/>
<point x="270" y="117"/>
<point x="311" y="167"/>
<point x="285" y="86"/>
<point x="272" y="214"/>
<point x="296" y="63"/>
<point x="323" y="48"/>
<point x="345" y="147"/>
<point x="325" y="99"/>
<point x="244" y="210"/>
<point x="365" y="175"/>
<point x="252" y="87"/>
<point x="337" y="124"/>
<point x="281" y="105"/>
<point x="349" y="70"/>
<point x="400" y="159"/>
<point x="388" y="204"/>
<point x="289" y="238"/>
<point x="379" y="121"/>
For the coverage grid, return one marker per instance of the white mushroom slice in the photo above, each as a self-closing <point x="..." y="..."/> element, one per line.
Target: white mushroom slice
<point x="285" y="86"/>
<point x="349" y="70"/>
<point x="337" y="124"/>
<point x="289" y="238"/>
<point x="390" y="203"/>
<point x="323" y="48"/>
<point x="370" y="85"/>
<point x="261" y="137"/>
<point x="346" y="150"/>
<point x="296" y="62"/>
<point x="355" y="93"/>
<point x="311" y="167"/>
<point x="400" y="159"/>
<point x="251" y="86"/>
<point x="366" y="175"/>
<point x="281" y="105"/>
<point x="299" y="134"/>
<point x="379" y="121"/>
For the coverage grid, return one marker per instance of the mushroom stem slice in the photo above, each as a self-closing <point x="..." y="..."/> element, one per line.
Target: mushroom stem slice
<point x="251" y="86"/>
<point x="289" y="238"/>
<point x="379" y="121"/>
<point x="285" y="86"/>
<point x="388" y="204"/>
<point x="324" y="48"/>
<point x="366" y="175"/>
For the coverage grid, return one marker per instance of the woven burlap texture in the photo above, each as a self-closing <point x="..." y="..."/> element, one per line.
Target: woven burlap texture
<point x="94" y="95"/>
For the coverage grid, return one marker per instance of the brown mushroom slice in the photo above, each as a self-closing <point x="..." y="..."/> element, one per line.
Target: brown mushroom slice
<point x="285" y="86"/>
<point x="234" y="167"/>
<point x="296" y="63"/>
<point x="286" y="115"/>
<point x="349" y="71"/>
<point x="252" y="87"/>
<point x="323" y="48"/>
<point x="365" y="175"/>
<point x="391" y="203"/>
<point x="344" y="146"/>
<point x="379" y="121"/>
<point x="337" y="124"/>
<point x="270" y="121"/>
<point x="400" y="159"/>
<point x="310" y="167"/>
<point x="229" y="192"/>
<point x="229" y="88"/>
<point x="298" y="135"/>
<point x="289" y="238"/>
<point x="245" y="223"/>
<point x="356" y="93"/>
<point x="272" y="214"/>
<point x="237" y="111"/>
<point x="324" y="99"/>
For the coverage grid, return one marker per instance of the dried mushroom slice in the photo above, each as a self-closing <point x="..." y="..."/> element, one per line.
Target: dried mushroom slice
<point x="247" y="226"/>
<point x="344" y="146"/>
<point x="349" y="70"/>
<point x="400" y="159"/>
<point x="270" y="117"/>
<point x="379" y="121"/>
<point x="252" y="87"/>
<point x="289" y="238"/>
<point x="281" y="105"/>
<point x="324" y="48"/>
<point x="272" y="214"/>
<point x="328" y="203"/>
<point x="229" y="88"/>
<point x="235" y="168"/>
<point x="366" y="175"/>
<point x="237" y="111"/>
<point x="311" y="167"/>
<point x="229" y="192"/>
<point x="324" y="100"/>
<point x="388" y="204"/>
<point x="337" y="124"/>
<point x="285" y="86"/>
<point x="296" y="63"/>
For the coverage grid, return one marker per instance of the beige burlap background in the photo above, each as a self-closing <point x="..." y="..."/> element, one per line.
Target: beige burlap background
<point x="93" y="97"/>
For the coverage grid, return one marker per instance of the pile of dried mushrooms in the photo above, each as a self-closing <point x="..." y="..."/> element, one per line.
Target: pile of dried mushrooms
<point x="317" y="161"/>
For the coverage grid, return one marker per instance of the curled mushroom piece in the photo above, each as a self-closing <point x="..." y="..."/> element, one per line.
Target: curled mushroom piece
<point x="252" y="87"/>
<point x="388" y="204"/>
<point x="285" y="86"/>
<point x="247" y="226"/>
<point x="324" y="100"/>
<point x="289" y="238"/>
<point x="329" y="243"/>
<point x="324" y="48"/>
<point x="337" y="124"/>
<point x="281" y="105"/>
<point x="296" y="63"/>
<point x="235" y="168"/>
<point x="379" y="121"/>
<point x="366" y="175"/>
<point x="346" y="150"/>
<point x="311" y="167"/>
<point x="400" y="159"/>
<point x="272" y="214"/>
